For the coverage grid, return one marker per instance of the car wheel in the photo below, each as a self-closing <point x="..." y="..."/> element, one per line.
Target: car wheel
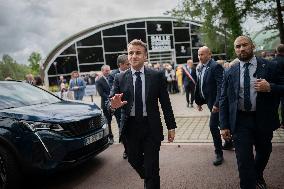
<point x="9" y="170"/>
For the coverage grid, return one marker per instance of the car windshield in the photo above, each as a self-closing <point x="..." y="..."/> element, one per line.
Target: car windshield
<point x="19" y="94"/>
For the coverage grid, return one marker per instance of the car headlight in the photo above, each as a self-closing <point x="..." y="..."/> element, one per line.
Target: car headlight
<point x="35" y="126"/>
<point x="106" y="130"/>
<point x="103" y="119"/>
<point x="104" y="124"/>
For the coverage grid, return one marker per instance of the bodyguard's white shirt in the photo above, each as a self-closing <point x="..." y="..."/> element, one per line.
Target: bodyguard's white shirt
<point x="253" y="93"/>
<point x="142" y="75"/>
<point x="204" y="67"/>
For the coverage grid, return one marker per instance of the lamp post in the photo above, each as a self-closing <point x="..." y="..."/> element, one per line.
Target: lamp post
<point x="224" y="21"/>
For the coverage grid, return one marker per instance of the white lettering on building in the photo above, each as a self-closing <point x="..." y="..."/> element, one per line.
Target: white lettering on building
<point x="161" y="42"/>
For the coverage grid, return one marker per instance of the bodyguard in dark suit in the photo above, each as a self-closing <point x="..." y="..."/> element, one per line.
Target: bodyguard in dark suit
<point x="103" y="89"/>
<point x="137" y="92"/>
<point x="189" y="79"/>
<point x="208" y="90"/>
<point x="123" y="65"/>
<point x="249" y="111"/>
<point x="280" y="60"/>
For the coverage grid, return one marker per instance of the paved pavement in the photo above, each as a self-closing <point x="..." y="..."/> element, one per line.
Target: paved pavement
<point x="186" y="167"/>
<point x="192" y="125"/>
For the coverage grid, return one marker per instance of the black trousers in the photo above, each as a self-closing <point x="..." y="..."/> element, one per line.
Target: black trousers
<point x="282" y="110"/>
<point x="189" y="89"/>
<point x="143" y="152"/>
<point x="108" y="118"/>
<point x="122" y="139"/>
<point x="215" y="132"/>
<point x="245" y="137"/>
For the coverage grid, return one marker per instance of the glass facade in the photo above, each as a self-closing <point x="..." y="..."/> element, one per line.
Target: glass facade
<point x="168" y="41"/>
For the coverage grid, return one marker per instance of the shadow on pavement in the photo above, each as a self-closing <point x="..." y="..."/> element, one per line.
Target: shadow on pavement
<point x="186" y="167"/>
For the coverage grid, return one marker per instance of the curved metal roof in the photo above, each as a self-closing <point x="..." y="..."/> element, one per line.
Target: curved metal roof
<point x="70" y="40"/>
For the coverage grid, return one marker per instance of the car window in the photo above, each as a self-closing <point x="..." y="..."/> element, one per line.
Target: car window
<point x="19" y="94"/>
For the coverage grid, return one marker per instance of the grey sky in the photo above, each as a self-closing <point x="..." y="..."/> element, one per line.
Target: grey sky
<point x="39" y="25"/>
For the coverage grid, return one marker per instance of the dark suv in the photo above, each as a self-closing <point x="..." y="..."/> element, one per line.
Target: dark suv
<point x="39" y="131"/>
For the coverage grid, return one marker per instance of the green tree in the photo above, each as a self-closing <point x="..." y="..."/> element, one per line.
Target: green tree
<point x="10" y="68"/>
<point x="268" y="13"/>
<point x="211" y="13"/>
<point x="34" y="61"/>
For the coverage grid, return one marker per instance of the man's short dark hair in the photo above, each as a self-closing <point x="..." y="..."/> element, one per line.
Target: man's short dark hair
<point x="246" y="37"/>
<point x="121" y="59"/>
<point x="138" y="42"/>
<point x="280" y="49"/>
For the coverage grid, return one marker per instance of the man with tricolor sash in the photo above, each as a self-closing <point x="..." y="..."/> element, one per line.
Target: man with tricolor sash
<point x="189" y="79"/>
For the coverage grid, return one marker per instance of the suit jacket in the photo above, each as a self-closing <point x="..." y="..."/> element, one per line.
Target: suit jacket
<point x="112" y="76"/>
<point x="155" y="90"/>
<point x="212" y="83"/>
<point x="81" y="84"/>
<point x="103" y="89"/>
<point x="279" y="59"/>
<point x="266" y="102"/>
<point x="186" y="80"/>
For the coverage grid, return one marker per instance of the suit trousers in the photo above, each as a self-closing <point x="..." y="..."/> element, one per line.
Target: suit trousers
<point x="143" y="151"/>
<point x="215" y="132"/>
<point x="122" y="139"/>
<point x="78" y="95"/>
<point x="282" y="110"/>
<point x="108" y="118"/>
<point x="189" y="89"/>
<point x="245" y="137"/>
<point x="117" y="115"/>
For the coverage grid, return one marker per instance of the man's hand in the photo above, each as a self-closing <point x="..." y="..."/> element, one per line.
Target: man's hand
<point x="199" y="108"/>
<point x="261" y="85"/>
<point x="215" y="109"/>
<point x="115" y="101"/>
<point x="226" y="134"/>
<point x="171" y="135"/>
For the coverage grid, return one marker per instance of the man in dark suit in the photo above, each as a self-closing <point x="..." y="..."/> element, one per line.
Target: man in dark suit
<point x="208" y="90"/>
<point x="103" y="89"/>
<point x="137" y="92"/>
<point x="280" y="60"/>
<point x="123" y="65"/>
<point x="249" y="111"/>
<point x="189" y="79"/>
<point x="77" y="85"/>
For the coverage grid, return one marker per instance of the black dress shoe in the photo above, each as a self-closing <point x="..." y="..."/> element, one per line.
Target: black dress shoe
<point x="260" y="183"/>
<point x="124" y="155"/>
<point x="228" y="145"/>
<point x="219" y="160"/>
<point x="191" y="105"/>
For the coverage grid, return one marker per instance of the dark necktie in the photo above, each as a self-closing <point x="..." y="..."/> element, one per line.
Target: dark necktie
<point x="200" y="78"/>
<point x="138" y="97"/>
<point x="247" y="102"/>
